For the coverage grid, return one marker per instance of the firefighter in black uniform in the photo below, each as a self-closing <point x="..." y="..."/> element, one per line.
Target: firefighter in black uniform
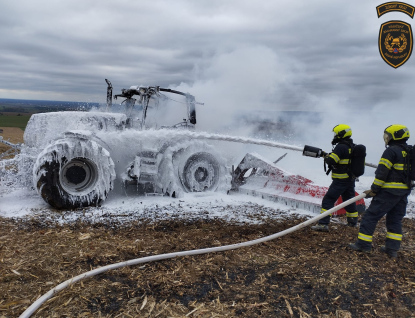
<point x="343" y="183"/>
<point x="390" y="191"/>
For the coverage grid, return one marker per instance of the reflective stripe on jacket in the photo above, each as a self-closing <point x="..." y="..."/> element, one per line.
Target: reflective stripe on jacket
<point x="390" y="174"/>
<point x="339" y="159"/>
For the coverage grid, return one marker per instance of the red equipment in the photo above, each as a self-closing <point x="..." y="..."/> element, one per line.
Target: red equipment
<point x="258" y="177"/>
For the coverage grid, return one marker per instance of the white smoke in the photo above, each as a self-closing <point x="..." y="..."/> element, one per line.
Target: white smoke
<point x="243" y="81"/>
<point x="256" y="80"/>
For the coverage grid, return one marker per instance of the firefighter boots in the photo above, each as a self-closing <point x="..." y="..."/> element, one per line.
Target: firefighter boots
<point x="357" y="247"/>
<point x="391" y="253"/>
<point x="320" y="228"/>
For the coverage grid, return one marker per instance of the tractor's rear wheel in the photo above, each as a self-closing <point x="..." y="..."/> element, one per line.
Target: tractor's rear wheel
<point x="78" y="174"/>
<point x="74" y="173"/>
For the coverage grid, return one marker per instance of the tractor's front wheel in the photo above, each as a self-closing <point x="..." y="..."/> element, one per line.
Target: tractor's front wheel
<point x="192" y="166"/>
<point x="200" y="173"/>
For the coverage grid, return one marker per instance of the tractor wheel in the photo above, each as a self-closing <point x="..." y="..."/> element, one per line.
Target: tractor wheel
<point x="192" y="166"/>
<point x="200" y="173"/>
<point x="74" y="173"/>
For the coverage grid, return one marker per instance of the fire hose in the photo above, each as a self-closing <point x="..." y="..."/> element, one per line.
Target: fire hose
<point x="32" y="308"/>
<point x="247" y="140"/>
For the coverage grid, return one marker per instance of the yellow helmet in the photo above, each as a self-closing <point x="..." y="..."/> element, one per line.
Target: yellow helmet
<point x="342" y="131"/>
<point x="395" y="132"/>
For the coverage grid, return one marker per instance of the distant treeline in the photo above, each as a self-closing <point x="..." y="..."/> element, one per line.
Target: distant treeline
<point x="41" y="106"/>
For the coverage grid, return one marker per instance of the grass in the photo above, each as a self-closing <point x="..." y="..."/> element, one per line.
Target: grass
<point x="14" y="120"/>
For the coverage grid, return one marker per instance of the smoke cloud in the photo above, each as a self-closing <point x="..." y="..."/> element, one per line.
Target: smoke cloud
<point x="239" y="90"/>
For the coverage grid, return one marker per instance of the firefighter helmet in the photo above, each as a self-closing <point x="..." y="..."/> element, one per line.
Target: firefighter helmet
<point x="342" y="131"/>
<point x="395" y="132"/>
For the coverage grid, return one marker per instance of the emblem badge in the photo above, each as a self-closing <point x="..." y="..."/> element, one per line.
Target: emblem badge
<point x="395" y="42"/>
<point x="395" y="7"/>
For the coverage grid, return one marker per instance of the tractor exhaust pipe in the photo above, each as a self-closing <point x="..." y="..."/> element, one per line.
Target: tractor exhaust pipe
<point x="109" y="95"/>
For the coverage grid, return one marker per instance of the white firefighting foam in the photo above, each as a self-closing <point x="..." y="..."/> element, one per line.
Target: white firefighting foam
<point x="18" y="197"/>
<point x="69" y="149"/>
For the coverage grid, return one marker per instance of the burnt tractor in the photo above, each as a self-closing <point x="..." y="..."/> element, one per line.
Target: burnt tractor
<point x="74" y="159"/>
<point x="78" y="158"/>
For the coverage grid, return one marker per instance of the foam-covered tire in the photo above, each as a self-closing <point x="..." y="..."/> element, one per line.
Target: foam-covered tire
<point x="200" y="173"/>
<point x="192" y="166"/>
<point x="73" y="173"/>
<point x="199" y="167"/>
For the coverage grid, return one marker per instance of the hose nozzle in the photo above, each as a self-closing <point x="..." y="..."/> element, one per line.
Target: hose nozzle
<point x="310" y="151"/>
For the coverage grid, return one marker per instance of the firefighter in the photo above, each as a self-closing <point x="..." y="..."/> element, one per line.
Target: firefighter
<point x="343" y="182"/>
<point x="390" y="192"/>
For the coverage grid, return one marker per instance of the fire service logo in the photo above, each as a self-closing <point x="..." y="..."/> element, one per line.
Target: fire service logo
<point x="395" y="42"/>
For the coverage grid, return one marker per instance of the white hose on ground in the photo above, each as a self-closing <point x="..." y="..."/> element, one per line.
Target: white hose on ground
<point x="8" y="143"/>
<point x="30" y="310"/>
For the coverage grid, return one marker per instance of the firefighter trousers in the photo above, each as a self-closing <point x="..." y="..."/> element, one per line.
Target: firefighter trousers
<point x="394" y="207"/>
<point x="345" y="189"/>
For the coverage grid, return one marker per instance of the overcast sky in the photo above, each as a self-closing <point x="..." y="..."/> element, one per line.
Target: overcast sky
<point x="295" y="51"/>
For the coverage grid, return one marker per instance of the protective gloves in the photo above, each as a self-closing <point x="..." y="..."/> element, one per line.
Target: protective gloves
<point x="324" y="154"/>
<point x="369" y="193"/>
